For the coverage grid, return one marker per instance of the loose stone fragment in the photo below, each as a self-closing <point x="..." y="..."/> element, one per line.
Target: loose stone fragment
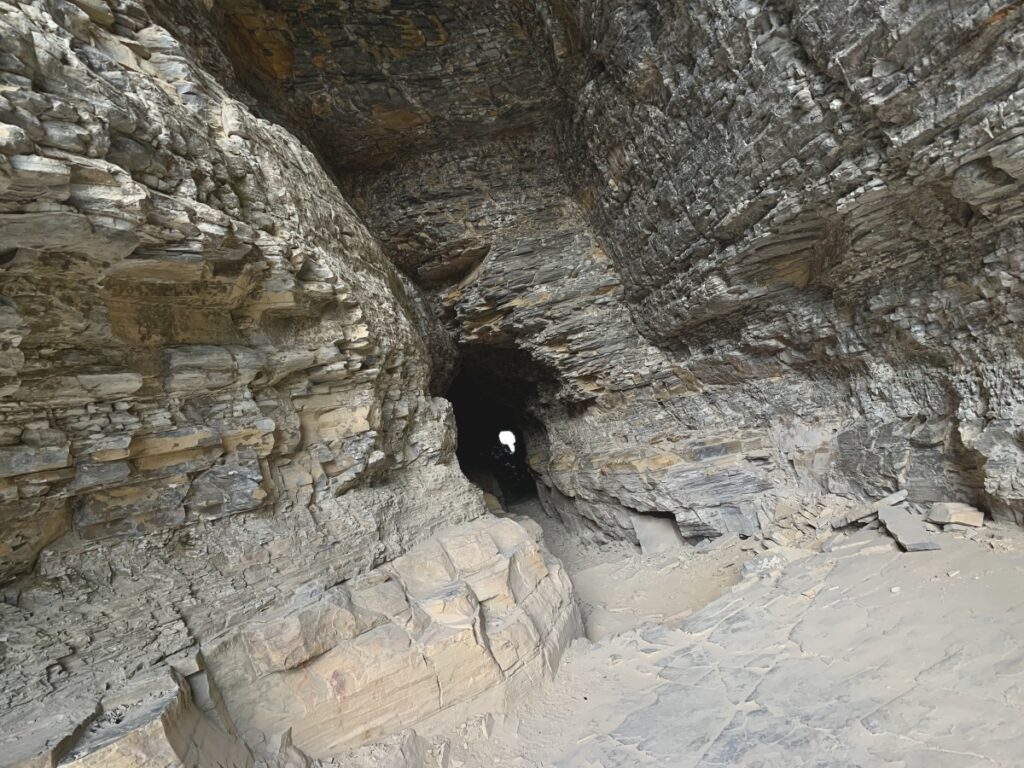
<point x="891" y="500"/>
<point x="956" y="513"/>
<point x="907" y="529"/>
<point x="658" y="535"/>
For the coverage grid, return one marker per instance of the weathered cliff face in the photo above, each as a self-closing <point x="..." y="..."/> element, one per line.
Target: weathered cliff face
<point x="219" y="453"/>
<point x="765" y="257"/>
<point x="738" y="263"/>
<point x="816" y="210"/>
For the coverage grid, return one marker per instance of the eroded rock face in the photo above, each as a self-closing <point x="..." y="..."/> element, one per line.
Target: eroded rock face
<point x="747" y="258"/>
<point x="187" y="312"/>
<point x="766" y="251"/>
<point x="478" y="613"/>
<point x="215" y="406"/>
<point x="398" y="76"/>
<point x="826" y="199"/>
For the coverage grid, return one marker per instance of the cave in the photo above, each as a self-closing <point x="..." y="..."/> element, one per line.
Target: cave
<point x="490" y="395"/>
<point x="511" y="382"/>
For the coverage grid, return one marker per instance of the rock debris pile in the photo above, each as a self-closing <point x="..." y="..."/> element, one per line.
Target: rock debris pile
<point x="912" y="531"/>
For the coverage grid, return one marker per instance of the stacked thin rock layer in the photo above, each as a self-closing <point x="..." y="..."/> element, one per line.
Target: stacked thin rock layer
<point x="766" y="254"/>
<point x="759" y="259"/>
<point x="815" y="210"/>
<point x="215" y="411"/>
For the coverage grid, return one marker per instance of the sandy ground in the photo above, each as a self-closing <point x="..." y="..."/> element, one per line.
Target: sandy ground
<point x="860" y="657"/>
<point x="619" y="589"/>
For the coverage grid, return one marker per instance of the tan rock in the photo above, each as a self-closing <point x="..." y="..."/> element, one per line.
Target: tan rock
<point x="288" y="641"/>
<point x="98" y="11"/>
<point x="172" y="734"/>
<point x="474" y="611"/>
<point x="104" y="386"/>
<point x="955" y="512"/>
<point x="173" y="441"/>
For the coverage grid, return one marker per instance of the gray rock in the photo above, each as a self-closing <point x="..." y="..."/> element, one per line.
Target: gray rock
<point x="907" y="529"/>
<point x="891" y="500"/>
<point x="658" y="535"/>
<point x="729" y="263"/>
<point x="26" y="459"/>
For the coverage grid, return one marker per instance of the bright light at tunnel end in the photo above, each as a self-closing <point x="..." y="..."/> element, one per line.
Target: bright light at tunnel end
<point x="506" y="438"/>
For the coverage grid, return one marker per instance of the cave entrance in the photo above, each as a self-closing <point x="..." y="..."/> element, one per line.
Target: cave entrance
<point x="490" y="395"/>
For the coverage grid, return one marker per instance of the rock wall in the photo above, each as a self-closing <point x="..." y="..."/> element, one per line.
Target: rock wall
<point x="815" y="208"/>
<point x="515" y="263"/>
<point x="470" y="618"/>
<point x="215" y="417"/>
<point x="739" y="263"/>
<point x="765" y="256"/>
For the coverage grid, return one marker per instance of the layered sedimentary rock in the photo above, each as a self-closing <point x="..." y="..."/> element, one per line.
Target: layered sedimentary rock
<point x="760" y="252"/>
<point x="473" y="615"/>
<point x="215" y="416"/>
<point x="732" y="263"/>
<point x="816" y="210"/>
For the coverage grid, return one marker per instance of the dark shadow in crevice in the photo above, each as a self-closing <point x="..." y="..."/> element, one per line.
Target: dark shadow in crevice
<point x="491" y="394"/>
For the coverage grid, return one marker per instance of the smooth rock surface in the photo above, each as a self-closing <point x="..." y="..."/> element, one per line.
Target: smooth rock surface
<point x="479" y="611"/>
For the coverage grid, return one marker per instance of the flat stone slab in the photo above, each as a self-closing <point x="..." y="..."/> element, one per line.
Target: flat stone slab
<point x="947" y="512"/>
<point x="862" y="541"/>
<point x="658" y="535"/>
<point x="892" y="500"/>
<point x="870" y="511"/>
<point x="907" y="529"/>
<point x="863" y="516"/>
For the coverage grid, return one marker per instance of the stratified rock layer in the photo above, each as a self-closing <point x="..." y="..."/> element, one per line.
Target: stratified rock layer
<point x="815" y="209"/>
<point x="447" y="625"/>
<point x="215" y="416"/>
<point x="732" y="261"/>
<point x="758" y="252"/>
<point x="812" y="213"/>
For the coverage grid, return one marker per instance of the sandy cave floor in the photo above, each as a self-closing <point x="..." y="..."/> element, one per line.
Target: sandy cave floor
<point x="864" y="656"/>
<point x="619" y="589"/>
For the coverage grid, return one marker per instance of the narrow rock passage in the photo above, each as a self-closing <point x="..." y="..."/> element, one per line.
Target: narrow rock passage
<point x="862" y="657"/>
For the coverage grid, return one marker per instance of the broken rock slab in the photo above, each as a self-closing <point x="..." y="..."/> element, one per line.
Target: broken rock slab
<point x="907" y="529"/>
<point x="165" y="729"/>
<point x="658" y="535"/>
<point x="866" y="515"/>
<point x="948" y="512"/>
<point x="479" y="612"/>
<point x="892" y="500"/>
<point x="864" y="541"/>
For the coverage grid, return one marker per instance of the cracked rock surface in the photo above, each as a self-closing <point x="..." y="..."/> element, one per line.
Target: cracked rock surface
<point x="756" y="252"/>
<point x="216" y="418"/>
<point x="856" y="658"/>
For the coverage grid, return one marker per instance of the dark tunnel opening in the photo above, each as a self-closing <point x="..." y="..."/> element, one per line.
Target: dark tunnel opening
<point x="490" y="395"/>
